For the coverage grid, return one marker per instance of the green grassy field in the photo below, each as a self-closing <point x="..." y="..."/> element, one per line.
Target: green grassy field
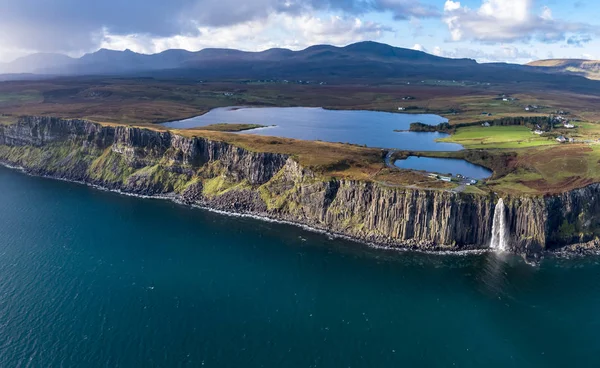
<point x="493" y="137"/>
<point x="550" y="170"/>
<point x="20" y="97"/>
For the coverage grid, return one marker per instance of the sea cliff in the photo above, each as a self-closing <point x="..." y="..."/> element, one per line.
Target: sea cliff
<point x="223" y="176"/>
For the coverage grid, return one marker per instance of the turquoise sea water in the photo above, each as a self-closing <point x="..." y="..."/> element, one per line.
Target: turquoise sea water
<point x="371" y="128"/>
<point x="95" y="279"/>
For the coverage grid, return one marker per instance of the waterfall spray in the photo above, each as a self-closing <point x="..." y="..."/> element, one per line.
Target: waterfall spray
<point x="499" y="231"/>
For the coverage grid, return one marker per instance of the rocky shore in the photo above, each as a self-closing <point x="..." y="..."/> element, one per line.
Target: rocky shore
<point x="222" y="176"/>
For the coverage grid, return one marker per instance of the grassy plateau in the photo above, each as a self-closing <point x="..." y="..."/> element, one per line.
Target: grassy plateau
<point x="523" y="163"/>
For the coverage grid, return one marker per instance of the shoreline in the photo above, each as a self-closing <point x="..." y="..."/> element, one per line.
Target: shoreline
<point x="569" y="251"/>
<point x="264" y="217"/>
<point x="576" y="250"/>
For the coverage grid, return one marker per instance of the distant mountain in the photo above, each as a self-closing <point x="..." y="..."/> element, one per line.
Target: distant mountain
<point x="40" y="64"/>
<point x="585" y="68"/>
<point x="368" y="61"/>
<point x="106" y="61"/>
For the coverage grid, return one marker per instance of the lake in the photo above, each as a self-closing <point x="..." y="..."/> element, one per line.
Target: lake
<point x="94" y="279"/>
<point x="445" y="166"/>
<point x="371" y="128"/>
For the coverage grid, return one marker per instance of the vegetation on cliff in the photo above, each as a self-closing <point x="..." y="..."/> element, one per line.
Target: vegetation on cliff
<point x="343" y="189"/>
<point x="221" y="175"/>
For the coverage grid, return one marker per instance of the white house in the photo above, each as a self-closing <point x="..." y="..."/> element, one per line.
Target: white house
<point x="561" y="139"/>
<point x="569" y="126"/>
<point x="538" y="132"/>
<point x="401" y="109"/>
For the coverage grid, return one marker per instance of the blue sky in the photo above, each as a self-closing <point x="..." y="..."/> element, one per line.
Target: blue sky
<point x="486" y="30"/>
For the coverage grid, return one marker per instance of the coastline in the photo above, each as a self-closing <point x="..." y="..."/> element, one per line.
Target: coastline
<point x="436" y="250"/>
<point x="570" y="251"/>
<point x="269" y="183"/>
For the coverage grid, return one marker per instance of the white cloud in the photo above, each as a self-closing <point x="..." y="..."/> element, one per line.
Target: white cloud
<point x="508" y="21"/>
<point x="451" y="5"/>
<point x="546" y="13"/>
<point x="75" y="26"/>
<point x="278" y="30"/>
<point x="503" y="53"/>
<point x="419" y="47"/>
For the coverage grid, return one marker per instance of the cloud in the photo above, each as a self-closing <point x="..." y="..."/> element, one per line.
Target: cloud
<point x="589" y="56"/>
<point x="405" y="9"/>
<point x="578" y="40"/>
<point x="80" y="25"/>
<point x="277" y="30"/>
<point x="419" y="47"/>
<point x="508" y="21"/>
<point x="504" y="53"/>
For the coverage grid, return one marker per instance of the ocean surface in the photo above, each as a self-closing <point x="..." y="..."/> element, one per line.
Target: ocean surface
<point x="444" y="166"/>
<point x="371" y="128"/>
<point x="95" y="279"/>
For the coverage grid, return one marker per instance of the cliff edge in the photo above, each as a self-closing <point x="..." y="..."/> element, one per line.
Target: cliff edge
<point x="223" y="176"/>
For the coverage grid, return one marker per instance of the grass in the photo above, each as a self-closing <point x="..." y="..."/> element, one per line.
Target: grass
<point x="493" y="137"/>
<point x="227" y="127"/>
<point x="5" y="120"/>
<point x="20" y="97"/>
<point x="328" y="160"/>
<point x="585" y="68"/>
<point x="147" y="100"/>
<point x="585" y="130"/>
<point x="550" y="170"/>
<point x="519" y="158"/>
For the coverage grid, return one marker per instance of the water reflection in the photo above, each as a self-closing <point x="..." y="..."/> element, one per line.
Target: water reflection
<point x="370" y="128"/>
<point x="492" y="277"/>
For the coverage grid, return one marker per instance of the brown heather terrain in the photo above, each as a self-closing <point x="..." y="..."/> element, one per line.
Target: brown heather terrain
<point x="147" y="100"/>
<point x="518" y="168"/>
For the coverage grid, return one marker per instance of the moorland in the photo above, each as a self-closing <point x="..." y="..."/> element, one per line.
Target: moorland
<point x="402" y="81"/>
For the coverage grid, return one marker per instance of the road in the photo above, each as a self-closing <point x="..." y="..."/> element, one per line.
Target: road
<point x="388" y="160"/>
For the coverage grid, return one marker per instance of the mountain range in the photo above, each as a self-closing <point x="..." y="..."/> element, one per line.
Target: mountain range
<point x="362" y="60"/>
<point x="106" y="61"/>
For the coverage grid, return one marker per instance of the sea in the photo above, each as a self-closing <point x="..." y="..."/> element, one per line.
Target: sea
<point x="90" y="278"/>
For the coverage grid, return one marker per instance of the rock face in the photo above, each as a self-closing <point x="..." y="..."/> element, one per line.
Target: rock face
<point x="220" y="175"/>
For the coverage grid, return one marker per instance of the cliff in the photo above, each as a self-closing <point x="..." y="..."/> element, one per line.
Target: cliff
<point x="219" y="175"/>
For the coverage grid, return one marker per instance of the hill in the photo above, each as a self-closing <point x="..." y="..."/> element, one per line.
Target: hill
<point x="369" y="62"/>
<point x="586" y="68"/>
<point x="106" y="61"/>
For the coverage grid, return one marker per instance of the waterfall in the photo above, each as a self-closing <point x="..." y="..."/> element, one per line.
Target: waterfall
<point x="499" y="230"/>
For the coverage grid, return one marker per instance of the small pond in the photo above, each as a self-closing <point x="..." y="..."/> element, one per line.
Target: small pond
<point x="370" y="128"/>
<point x="445" y="166"/>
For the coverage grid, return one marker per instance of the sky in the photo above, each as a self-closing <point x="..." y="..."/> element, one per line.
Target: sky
<point x="516" y="31"/>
